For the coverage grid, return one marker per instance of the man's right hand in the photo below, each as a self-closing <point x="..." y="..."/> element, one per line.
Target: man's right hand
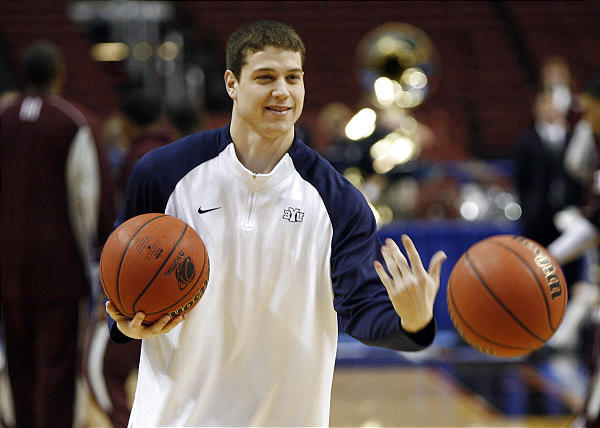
<point x="135" y="329"/>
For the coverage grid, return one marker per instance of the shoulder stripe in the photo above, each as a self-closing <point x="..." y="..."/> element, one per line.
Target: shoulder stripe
<point x="69" y="109"/>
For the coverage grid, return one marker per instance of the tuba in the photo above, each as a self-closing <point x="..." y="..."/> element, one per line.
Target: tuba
<point x="398" y="56"/>
<point x="398" y="68"/>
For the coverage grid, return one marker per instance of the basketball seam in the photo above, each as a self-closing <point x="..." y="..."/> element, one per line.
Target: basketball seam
<point x="102" y="280"/>
<point x="160" y="268"/>
<point x="475" y="332"/>
<point x="540" y="287"/>
<point x="123" y="258"/>
<point x="523" y="326"/>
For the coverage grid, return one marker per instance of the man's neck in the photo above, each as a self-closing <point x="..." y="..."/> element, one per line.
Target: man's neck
<point x="256" y="152"/>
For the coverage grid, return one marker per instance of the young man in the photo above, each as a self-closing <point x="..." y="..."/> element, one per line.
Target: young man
<point x="291" y="245"/>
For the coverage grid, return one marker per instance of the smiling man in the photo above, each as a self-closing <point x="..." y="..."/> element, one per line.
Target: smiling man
<point x="268" y="98"/>
<point x="293" y="246"/>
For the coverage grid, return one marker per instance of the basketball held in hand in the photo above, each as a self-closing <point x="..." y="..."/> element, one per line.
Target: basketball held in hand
<point x="156" y="264"/>
<point x="506" y="296"/>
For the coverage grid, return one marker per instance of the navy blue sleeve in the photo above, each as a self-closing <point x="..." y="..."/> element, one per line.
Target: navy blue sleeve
<point x="360" y="299"/>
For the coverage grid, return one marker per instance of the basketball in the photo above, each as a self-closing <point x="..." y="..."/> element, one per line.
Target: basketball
<point x="156" y="264"/>
<point x="506" y="296"/>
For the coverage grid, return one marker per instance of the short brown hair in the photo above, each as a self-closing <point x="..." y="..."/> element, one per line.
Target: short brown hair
<point x="256" y="36"/>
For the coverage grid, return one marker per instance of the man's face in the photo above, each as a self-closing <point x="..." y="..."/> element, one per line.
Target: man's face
<point x="269" y="93"/>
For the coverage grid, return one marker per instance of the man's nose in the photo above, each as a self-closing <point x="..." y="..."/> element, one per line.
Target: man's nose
<point x="280" y="90"/>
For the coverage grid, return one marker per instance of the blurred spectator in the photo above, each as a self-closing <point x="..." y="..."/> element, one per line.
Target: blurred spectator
<point x="185" y="118"/>
<point x="116" y="143"/>
<point x="581" y="231"/>
<point x="51" y="181"/>
<point x="556" y="79"/>
<point x="341" y="152"/>
<point x="582" y="155"/>
<point x="543" y="185"/>
<point x="332" y="121"/>
<point x="142" y="128"/>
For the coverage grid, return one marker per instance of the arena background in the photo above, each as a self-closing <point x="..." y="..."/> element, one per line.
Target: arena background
<point x="486" y="57"/>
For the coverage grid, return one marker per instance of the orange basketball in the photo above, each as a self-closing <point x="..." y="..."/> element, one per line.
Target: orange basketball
<point x="506" y="295"/>
<point x="156" y="264"/>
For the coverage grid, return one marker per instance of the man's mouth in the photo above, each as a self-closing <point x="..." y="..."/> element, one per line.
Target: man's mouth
<point x="278" y="109"/>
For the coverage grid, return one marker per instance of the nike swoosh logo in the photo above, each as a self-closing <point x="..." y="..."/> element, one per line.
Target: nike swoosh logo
<point x="201" y="211"/>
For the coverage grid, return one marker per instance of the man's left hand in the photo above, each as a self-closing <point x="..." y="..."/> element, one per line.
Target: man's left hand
<point x="411" y="288"/>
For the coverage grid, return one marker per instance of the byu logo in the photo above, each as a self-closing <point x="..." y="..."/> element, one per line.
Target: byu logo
<point x="293" y="214"/>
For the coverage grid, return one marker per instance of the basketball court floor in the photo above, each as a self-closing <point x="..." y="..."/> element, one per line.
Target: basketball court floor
<point x="452" y="385"/>
<point x="447" y="385"/>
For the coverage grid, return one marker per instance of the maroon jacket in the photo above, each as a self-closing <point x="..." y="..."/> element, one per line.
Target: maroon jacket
<point x="39" y="254"/>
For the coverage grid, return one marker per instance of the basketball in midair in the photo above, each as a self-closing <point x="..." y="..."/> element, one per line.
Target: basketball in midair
<point x="506" y="296"/>
<point x="156" y="264"/>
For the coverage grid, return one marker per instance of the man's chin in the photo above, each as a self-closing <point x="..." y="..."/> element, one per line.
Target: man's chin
<point x="274" y="131"/>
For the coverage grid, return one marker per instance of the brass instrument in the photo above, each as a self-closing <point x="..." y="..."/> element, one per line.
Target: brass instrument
<point x="405" y="57"/>
<point x="398" y="68"/>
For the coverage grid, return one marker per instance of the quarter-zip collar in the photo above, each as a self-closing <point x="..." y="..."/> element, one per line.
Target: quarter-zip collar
<point x="259" y="182"/>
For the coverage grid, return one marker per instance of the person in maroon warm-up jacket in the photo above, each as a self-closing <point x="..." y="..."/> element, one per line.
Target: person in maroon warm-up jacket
<point x="49" y="210"/>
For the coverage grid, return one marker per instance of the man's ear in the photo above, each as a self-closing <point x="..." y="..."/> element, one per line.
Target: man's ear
<point x="231" y="84"/>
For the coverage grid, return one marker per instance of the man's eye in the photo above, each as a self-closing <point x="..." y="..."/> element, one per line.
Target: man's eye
<point x="293" y="77"/>
<point x="264" y="77"/>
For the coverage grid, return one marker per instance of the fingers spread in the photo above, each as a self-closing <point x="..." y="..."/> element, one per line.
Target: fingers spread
<point x="390" y="261"/>
<point x="413" y="255"/>
<point x="382" y="274"/>
<point x="435" y="265"/>
<point x="399" y="258"/>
